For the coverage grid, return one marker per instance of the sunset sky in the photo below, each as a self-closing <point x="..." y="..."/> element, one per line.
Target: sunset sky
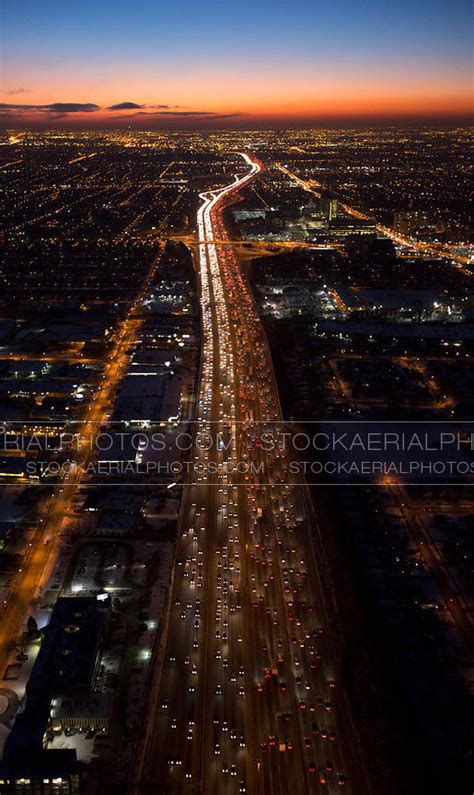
<point x="245" y="64"/>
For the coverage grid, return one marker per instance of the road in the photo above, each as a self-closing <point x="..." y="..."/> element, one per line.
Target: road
<point x="44" y="549"/>
<point x="436" y="249"/>
<point x="247" y="698"/>
<point x="435" y="564"/>
<point x="252" y="249"/>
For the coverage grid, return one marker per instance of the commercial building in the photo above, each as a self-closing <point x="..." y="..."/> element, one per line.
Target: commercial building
<point x="63" y="675"/>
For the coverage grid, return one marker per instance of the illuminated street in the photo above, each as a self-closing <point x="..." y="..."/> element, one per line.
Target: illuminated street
<point x="244" y="713"/>
<point x="236" y="398"/>
<point x="44" y="547"/>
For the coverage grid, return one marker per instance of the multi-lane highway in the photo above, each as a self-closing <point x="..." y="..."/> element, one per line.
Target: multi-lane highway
<point x="246" y="697"/>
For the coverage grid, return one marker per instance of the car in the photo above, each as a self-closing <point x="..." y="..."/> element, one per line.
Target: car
<point x="322" y="777"/>
<point x="217" y="749"/>
<point x="341" y="779"/>
<point x="312" y="767"/>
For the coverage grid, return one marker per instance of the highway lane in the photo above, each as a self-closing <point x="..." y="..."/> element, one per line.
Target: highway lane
<point x="189" y="649"/>
<point x="303" y="515"/>
<point x="245" y="698"/>
<point x="254" y="356"/>
<point x="276" y="598"/>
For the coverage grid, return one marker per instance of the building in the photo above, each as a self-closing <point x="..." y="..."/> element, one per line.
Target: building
<point x="409" y="221"/>
<point x="69" y="655"/>
<point x="63" y="674"/>
<point x="82" y="710"/>
<point x="329" y="206"/>
<point x="151" y="397"/>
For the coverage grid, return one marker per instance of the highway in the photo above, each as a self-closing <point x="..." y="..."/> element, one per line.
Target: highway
<point x="245" y="697"/>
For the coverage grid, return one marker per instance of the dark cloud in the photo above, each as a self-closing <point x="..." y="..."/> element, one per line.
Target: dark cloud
<point x="61" y="112"/>
<point x="7" y="107"/>
<point x="228" y="115"/>
<point x="71" y="107"/>
<point x="54" y="107"/>
<point x="129" y="106"/>
<point x="19" y="91"/>
<point x="75" y="107"/>
<point x="134" y="106"/>
<point x="207" y="114"/>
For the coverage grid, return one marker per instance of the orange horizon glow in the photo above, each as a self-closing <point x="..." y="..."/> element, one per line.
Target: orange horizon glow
<point x="241" y="68"/>
<point x="368" y="105"/>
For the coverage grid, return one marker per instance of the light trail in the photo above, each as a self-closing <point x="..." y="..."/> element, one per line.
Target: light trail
<point x="439" y="250"/>
<point x="244" y="567"/>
